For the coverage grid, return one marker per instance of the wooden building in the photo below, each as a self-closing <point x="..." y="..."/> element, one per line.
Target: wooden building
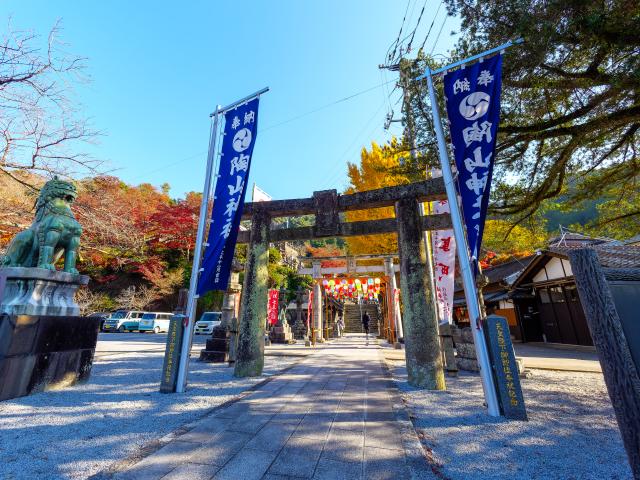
<point x="546" y="301"/>
<point x="497" y="294"/>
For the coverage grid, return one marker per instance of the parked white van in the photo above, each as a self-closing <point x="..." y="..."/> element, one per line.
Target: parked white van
<point x="155" y="322"/>
<point x="122" y="321"/>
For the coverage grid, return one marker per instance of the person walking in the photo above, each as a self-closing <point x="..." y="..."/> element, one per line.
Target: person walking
<point x="340" y="324"/>
<point x="365" y="325"/>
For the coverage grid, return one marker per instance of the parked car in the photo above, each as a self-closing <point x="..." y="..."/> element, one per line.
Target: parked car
<point x="155" y="322"/>
<point x="102" y="315"/>
<point x="207" y="321"/>
<point x="123" y="321"/>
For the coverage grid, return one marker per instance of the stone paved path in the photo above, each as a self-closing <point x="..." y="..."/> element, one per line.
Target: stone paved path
<point x="332" y="416"/>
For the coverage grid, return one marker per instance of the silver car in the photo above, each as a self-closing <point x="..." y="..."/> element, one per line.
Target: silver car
<point x="207" y="321"/>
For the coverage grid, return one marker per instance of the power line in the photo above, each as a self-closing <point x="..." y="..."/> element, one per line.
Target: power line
<point x="431" y="26"/>
<point x="416" y="27"/>
<point x="344" y="99"/>
<point x="292" y="119"/>
<point x="439" y="32"/>
<point x="395" y="44"/>
<point x="413" y="9"/>
<point x="159" y="169"/>
<point x="329" y="178"/>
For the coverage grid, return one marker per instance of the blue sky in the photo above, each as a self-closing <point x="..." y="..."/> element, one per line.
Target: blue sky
<point x="158" y="69"/>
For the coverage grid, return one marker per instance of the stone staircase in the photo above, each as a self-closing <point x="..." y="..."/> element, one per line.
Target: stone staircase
<point x="353" y="319"/>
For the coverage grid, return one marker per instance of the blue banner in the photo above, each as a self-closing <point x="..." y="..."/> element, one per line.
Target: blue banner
<point x="473" y="107"/>
<point x="239" y="137"/>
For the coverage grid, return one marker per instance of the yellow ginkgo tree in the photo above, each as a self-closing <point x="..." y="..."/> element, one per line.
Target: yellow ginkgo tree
<point x="378" y="168"/>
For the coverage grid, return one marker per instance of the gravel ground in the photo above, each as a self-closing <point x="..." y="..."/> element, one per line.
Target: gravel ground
<point x="77" y="432"/>
<point x="571" y="434"/>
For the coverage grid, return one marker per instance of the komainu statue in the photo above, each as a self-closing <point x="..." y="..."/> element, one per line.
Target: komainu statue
<point x="54" y="232"/>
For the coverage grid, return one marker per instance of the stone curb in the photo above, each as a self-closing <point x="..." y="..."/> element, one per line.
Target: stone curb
<point x="417" y="457"/>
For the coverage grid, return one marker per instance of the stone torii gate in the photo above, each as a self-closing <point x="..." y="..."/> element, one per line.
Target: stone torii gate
<point x="388" y="270"/>
<point x="424" y="364"/>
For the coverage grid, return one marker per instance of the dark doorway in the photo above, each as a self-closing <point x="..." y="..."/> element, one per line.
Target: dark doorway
<point x="548" y="320"/>
<point x="529" y="319"/>
<point x="561" y="316"/>
<point x="577" y="314"/>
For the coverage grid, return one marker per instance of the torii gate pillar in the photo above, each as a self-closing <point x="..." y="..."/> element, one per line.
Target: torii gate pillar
<point x="422" y="345"/>
<point x="317" y="301"/>
<point x="395" y="308"/>
<point x="253" y="306"/>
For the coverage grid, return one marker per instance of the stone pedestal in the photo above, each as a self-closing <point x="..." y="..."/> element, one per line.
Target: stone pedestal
<point x="217" y="349"/>
<point x="299" y="329"/>
<point x="465" y="349"/>
<point x="222" y="344"/>
<point x="233" y="340"/>
<point x="44" y="344"/>
<point x="281" y="333"/>
<point x="299" y="326"/>
<point x="40" y="353"/>
<point x="448" y="354"/>
<point x="36" y="291"/>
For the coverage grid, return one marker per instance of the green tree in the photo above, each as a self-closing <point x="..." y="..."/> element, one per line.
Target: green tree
<point x="618" y="216"/>
<point x="571" y="98"/>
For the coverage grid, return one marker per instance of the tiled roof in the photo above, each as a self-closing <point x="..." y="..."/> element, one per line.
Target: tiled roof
<point x="501" y="273"/>
<point x="497" y="273"/>
<point x="611" y="256"/>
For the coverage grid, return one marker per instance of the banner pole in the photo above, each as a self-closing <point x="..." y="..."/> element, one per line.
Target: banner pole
<point x="185" y="352"/>
<point x="459" y="63"/>
<point x="238" y="102"/>
<point x="468" y="280"/>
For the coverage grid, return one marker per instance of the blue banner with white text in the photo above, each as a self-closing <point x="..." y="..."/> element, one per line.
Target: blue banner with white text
<point x="473" y="106"/>
<point x="239" y="137"/>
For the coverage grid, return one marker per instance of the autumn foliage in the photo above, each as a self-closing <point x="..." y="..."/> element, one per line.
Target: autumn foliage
<point x="376" y="170"/>
<point x="137" y="242"/>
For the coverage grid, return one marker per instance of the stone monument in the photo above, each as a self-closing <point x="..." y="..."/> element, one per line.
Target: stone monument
<point x="221" y="346"/>
<point x="44" y="344"/>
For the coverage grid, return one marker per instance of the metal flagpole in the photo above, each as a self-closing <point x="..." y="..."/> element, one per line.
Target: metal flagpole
<point x="187" y="339"/>
<point x="497" y="49"/>
<point x="470" y="292"/>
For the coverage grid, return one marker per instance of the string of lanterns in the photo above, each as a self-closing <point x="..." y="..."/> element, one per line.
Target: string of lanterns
<point x="367" y="288"/>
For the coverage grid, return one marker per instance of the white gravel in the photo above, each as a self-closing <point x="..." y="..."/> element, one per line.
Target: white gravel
<point x="77" y="432"/>
<point x="571" y="434"/>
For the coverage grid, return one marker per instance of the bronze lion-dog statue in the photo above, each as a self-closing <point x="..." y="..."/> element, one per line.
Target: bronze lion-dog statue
<point x="54" y="232"/>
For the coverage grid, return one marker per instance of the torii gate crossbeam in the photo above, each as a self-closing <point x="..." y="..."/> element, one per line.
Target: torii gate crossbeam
<point x="422" y="348"/>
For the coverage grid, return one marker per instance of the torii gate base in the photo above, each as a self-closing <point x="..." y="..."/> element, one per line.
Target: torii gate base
<point x="424" y="362"/>
<point x="423" y="357"/>
<point x="253" y="306"/>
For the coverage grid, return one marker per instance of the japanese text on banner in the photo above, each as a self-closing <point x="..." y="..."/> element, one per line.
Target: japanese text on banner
<point x="272" y="307"/>
<point x="473" y="107"/>
<point x="444" y="264"/>
<point x="241" y="126"/>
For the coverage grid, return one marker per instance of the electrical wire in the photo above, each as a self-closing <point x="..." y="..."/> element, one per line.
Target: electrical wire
<point x="329" y="179"/>
<point x="438" y="37"/>
<point x="397" y="41"/>
<point x="292" y="119"/>
<point x="416" y="27"/>
<point x="177" y="162"/>
<point x="431" y="26"/>
<point x="344" y="99"/>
